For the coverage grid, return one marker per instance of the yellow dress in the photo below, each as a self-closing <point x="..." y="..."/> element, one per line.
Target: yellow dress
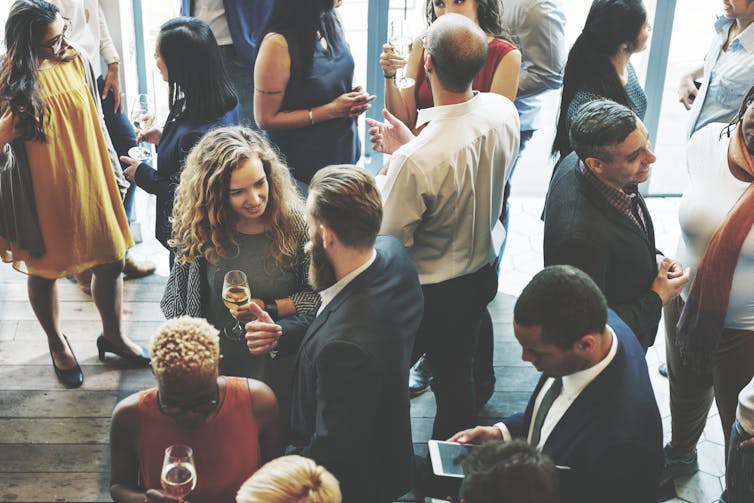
<point x="79" y="208"/>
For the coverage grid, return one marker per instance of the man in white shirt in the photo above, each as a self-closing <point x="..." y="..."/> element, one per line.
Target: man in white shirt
<point x="442" y="198"/>
<point x="593" y="411"/>
<point x="350" y="408"/>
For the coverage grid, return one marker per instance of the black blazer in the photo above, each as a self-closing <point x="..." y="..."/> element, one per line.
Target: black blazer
<point x="350" y="408"/>
<point x="608" y="444"/>
<point x="582" y="229"/>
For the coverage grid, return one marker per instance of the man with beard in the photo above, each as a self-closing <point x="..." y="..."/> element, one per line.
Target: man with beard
<point x="350" y="409"/>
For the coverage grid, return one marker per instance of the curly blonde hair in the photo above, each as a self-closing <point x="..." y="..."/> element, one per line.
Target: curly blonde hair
<point x="185" y="346"/>
<point x="290" y="479"/>
<point x="203" y="220"/>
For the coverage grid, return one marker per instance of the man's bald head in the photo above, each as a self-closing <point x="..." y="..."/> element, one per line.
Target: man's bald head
<point x="458" y="49"/>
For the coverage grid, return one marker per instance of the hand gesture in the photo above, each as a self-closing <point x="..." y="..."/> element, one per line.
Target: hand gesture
<point x="262" y="334"/>
<point x="112" y="82"/>
<point x="130" y="170"/>
<point x="669" y="281"/>
<point x="388" y="136"/>
<point x="390" y="61"/>
<point x="156" y="496"/>
<point x="478" y="435"/>
<point x="244" y="314"/>
<point x="687" y="91"/>
<point x="151" y="135"/>
<point x="351" y="104"/>
<point x="8" y="127"/>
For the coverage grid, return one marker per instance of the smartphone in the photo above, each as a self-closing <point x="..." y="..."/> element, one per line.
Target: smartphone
<point x="447" y="457"/>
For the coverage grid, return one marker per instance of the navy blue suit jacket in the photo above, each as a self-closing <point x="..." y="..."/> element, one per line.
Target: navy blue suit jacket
<point x="350" y="409"/>
<point x="246" y="20"/>
<point x="609" y="441"/>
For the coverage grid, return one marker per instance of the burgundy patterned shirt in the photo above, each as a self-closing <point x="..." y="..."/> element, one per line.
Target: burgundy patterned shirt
<point x="626" y="201"/>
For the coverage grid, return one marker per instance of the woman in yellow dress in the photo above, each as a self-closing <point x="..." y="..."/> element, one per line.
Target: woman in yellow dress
<point x="60" y="206"/>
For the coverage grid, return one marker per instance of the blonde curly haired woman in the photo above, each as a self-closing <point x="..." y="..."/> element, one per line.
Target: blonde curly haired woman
<point x="236" y="208"/>
<point x="230" y="423"/>
<point x="290" y="479"/>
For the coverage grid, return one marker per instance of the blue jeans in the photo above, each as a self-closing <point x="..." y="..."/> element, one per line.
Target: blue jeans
<point x="241" y="75"/>
<point x="740" y="470"/>
<point x="505" y="217"/>
<point x="122" y="135"/>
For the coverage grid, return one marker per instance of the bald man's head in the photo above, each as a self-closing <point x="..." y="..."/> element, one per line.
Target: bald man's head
<point x="458" y="49"/>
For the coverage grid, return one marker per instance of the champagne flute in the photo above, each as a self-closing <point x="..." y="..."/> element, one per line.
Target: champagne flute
<point x="236" y="293"/>
<point x="178" y="477"/>
<point x="400" y="41"/>
<point x="142" y="117"/>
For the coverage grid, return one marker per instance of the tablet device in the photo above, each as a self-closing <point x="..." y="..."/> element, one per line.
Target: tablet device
<point x="447" y="457"/>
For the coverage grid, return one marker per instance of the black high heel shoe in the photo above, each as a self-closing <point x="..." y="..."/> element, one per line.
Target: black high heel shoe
<point x="105" y="346"/>
<point x="72" y="377"/>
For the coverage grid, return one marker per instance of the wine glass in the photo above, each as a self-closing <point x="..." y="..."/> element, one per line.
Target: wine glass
<point x="236" y="293"/>
<point x="142" y="117"/>
<point x="178" y="477"/>
<point x="400" y="41"/>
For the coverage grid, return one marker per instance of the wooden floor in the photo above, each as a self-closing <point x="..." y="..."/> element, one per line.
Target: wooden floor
<point x="54" y="441"/>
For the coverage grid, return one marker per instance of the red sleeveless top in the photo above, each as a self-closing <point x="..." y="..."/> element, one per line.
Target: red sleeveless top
<point x="496" y="51"/>
<point x="226" y="446"/>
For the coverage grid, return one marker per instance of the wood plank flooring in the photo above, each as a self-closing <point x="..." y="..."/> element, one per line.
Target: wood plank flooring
<point x="54" y="442"/>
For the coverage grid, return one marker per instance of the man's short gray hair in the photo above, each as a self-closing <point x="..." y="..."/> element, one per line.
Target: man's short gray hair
<point x="600" y="124"/>
<point x="458" y="49"/>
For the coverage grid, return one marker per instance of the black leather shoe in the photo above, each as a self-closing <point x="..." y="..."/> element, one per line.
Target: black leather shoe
<point x="105" y="346"/>
<point x="419" y="377"/>
<point x="72" y="377"/>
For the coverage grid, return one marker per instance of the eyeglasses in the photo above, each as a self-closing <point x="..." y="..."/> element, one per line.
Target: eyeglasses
<point x="56" y="42"/>
<point x="200" y="406"/>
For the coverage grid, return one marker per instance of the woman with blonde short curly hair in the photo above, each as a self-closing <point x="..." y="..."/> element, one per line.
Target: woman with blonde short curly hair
<point x="236" y="208"/>
<point x="230" y="423"/>
<point x="290" y="479"/>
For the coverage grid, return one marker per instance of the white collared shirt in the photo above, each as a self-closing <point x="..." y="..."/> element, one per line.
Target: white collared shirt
<point x="443" y="192"/>
<point x="328" y="294"/>
<point x="573" y="385"/>
<point x="212" y="12"/>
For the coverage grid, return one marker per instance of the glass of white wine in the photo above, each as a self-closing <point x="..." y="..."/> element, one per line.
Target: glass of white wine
<point x="142" y="117"/>
<point x="400" y="41"/>
<point x="178" y="477"/>
<point x="236" y="293"/>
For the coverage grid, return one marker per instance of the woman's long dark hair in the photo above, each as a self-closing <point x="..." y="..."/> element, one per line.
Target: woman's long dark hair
<point x="739" y="117"/>
<point x="610" y="24"/>
<point x="27" y="22"/>
<point x="488" y="12"/>
<point x="300" y="21"/>
<point x="199" y="87"/>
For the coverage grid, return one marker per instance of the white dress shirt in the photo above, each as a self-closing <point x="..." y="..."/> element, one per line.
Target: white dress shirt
<point x="328" y="294"/>
<point x="573" y="385"/>
<point x="212" y="12"/>
<point x="538" y="29"/>
<point x="443" y="192"/>
<point x="89" y="30"/>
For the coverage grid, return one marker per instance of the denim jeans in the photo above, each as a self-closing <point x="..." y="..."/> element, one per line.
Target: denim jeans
<point x="740" y="469"/>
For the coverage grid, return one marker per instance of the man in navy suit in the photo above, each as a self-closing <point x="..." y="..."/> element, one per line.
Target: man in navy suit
<point x="350" y="409"/>
<point x="593" y="411"/>
<point x="237" y="26"/>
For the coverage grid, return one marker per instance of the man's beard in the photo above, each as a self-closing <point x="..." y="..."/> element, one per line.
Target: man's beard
<point x="321" y="271"/>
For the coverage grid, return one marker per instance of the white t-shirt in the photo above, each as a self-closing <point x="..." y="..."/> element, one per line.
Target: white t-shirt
<point x="711" y="193"/>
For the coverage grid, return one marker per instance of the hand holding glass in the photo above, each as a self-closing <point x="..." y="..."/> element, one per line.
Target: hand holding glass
<point x="142" y="117"/>
<point x="178" y="471"/>
<point x="400" y="41"/>
<point x="236" y="293"/>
